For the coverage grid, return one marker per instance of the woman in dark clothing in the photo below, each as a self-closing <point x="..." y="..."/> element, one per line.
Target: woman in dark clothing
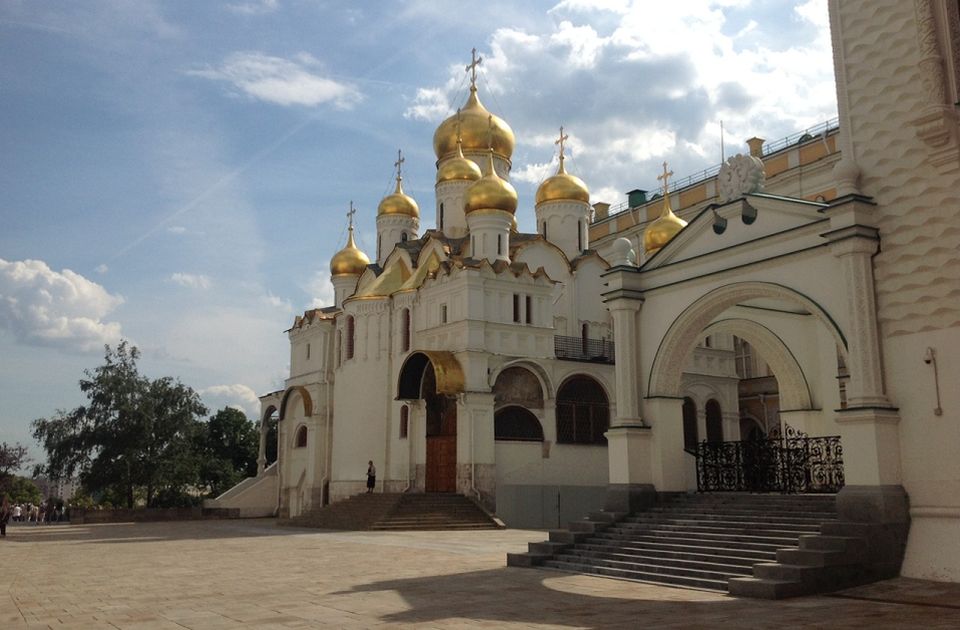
<point x="371" y="476"/>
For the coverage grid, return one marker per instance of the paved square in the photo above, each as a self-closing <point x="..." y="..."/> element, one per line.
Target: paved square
<point x="253" y="574"/>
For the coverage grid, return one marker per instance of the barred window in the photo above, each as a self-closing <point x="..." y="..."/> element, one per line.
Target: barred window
<point x="350" y="336"/>
<point x="404" y="421"/>
<point x="583" y="412"/>
<point x="405" y="334"/>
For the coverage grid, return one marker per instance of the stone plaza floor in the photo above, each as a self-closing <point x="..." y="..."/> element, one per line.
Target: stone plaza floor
<point x="254" y="574"/>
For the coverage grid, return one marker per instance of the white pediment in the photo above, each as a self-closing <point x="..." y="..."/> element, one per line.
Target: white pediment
<point x="749" y="227"/>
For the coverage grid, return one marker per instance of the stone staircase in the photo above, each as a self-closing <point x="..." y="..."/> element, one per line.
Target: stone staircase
<point x="768" y="546"/>
<point x="395" y="511"/>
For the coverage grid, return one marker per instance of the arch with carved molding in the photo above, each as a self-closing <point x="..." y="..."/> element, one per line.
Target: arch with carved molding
<point x="696" y="320"/>
<point x="304" y="397"/>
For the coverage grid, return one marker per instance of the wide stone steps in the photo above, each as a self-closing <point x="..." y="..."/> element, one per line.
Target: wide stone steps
<point x="394" y="511"/>
<point x="700" y="541"/>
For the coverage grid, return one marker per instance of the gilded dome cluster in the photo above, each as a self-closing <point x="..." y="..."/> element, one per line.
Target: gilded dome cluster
<point x="490" y="192"/>
<point x="349" y="261"/>
<point x="476" y="131"/>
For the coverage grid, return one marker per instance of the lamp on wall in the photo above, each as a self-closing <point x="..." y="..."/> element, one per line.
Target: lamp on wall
<point x="930" y="358"/>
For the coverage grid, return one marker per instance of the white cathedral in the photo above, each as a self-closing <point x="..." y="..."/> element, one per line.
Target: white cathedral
<point x="548" y="375"/>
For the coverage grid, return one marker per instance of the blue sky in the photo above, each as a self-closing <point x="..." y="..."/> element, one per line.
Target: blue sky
<point x="178" y="173"/>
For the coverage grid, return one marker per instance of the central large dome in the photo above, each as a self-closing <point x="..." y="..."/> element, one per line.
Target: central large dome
<point x="474" y="130"/>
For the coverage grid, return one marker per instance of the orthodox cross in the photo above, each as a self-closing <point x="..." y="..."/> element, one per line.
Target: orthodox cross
<point x="399" y="163"/>
<point x="472" y="68"/>
<point x="563" y="138"/>
<point x="350" y="214"/>
<point x="665" y="178"/>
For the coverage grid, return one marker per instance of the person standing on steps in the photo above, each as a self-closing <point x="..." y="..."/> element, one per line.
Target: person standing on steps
<point x="371" y="476"/>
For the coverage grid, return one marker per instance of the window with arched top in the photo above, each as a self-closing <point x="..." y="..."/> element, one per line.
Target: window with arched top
<point x="584" y="338"/>
<point x="544" y="230"/>
<point x="403" y="237"/>
<point x="690" y="437"/>
<point x="404" y="421"/>
<point x="516" y="423"/>
<point x="405" y="333"/>
<point x="579" y="236"/>
<point x="339" y="347"/>
<point x="714" y="421"/>
<point x="351" y="333"/>
<point x="583" y="412"/>
<point x="300" y="440"/>
<point x="440" y="218"/>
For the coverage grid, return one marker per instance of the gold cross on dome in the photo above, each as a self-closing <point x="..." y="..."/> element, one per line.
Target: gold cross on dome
<point x="665" y="178"/>
<point x="399" y="163"/>
<point x="350" y="214"/>
<point x="472" y="68"/>
<point x="563" y="138"/>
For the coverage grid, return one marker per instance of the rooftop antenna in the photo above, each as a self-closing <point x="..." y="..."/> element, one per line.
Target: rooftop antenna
<point x="722" y="156"/>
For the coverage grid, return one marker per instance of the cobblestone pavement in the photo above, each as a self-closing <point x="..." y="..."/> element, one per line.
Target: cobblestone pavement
<point x="253" y="574"/>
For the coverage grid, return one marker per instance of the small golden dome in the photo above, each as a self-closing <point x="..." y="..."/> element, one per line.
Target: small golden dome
<point x="662" y="229"/>
<point x="514" y="226"/>
<point x="399" y="203"/>
<point x="490" y="192"/>
<point x="458" y="168"/>
<point x="563" y="186"/>
<point x="349" y="261"/>
<point x="474" y="131"/>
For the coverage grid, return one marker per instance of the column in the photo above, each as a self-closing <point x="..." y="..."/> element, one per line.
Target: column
<point x="868" y="427"/>
<point x="262" y="453"/>
<point x="476" y="466"/>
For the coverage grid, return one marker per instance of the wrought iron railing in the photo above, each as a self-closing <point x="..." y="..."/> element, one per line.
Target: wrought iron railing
<point x="580" y="349"/>
<point x="793" y="463"/>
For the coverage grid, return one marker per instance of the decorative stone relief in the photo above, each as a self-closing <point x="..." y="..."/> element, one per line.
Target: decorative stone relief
<point x="740" y="175"/>
<point x="936" y="124"/>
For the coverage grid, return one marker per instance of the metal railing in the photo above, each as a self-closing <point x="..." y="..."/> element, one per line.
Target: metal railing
<point x="580" y="349"/>
<point x="818" y="131"/>
<point x="792" y="464"/>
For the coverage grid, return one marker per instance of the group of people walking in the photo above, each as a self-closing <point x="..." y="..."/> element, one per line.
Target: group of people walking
<point x="45" y="513"/>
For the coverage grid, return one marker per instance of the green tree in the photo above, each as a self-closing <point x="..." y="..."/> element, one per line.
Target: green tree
<point x="134" y="437"/>
<point x="13" y="457"/>
<point x="230" y="444"/>
<point x="23" y="490"/>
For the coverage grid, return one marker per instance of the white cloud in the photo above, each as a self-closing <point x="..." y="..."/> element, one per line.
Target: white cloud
<point x="429" y="104"/>
<point x="101" y="269"/>
<point x="191" y="280"/>
<point x="281" y="81"/>
<point x="177" y="229"/>
<point x="254" y="7"/>
<point x="51" y="308"/>
<point x="237" y="395"/>
<point x="640" y="84"/>
<point x="320" y="290"/>
<point x="280" y="304"/>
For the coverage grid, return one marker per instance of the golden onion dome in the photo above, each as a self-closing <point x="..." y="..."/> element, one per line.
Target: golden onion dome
<point x="662" y="229"/>
<point x="563" y="187"/>
<point x="399" y="203"/>
<point x="458" y="168"/>
<point x="475" y="131"/>
<point x="490" y="192"/>
<point x="349" y="261"/>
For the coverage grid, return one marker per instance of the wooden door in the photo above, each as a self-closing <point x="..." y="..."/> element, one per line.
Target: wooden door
<point x="441" y="463"/>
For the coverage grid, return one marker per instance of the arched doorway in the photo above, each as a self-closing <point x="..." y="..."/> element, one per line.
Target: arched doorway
<point x="435" y="377"/>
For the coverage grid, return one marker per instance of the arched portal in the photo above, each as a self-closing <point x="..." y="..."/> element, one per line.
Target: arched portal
<point x="435" y="377"/>
<point x="698" y="319"/>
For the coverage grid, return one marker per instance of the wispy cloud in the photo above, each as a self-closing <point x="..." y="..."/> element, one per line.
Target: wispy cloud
<point x="101" y="269"/>
<point x="281" y="81"/>
<point x="320" y="290"/>
<point x="191" y="280"/>
<point x="177" y="229"/>
<point x="254" y="7"/>
<point x="235" y="395"/>
<point x="64" y="309"/>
